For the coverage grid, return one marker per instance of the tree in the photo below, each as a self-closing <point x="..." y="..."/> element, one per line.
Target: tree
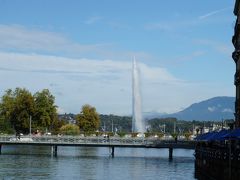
<point x="187" y="135"/>
<point x="69" y="129"/>
<point x="46" y="111"/>
<point x="6" y="108"/>
<point x="17" y="107"/>
<point x="88" y="119"/>
<point x="122" y="123"/>
<point x="5" y="126"/>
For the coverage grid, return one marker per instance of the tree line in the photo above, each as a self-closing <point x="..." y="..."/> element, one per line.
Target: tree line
<point x="173" y="125"/>
<point x="19" y="108"/>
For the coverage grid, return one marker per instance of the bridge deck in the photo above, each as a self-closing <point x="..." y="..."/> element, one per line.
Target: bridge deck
<point x="96" y="142"/>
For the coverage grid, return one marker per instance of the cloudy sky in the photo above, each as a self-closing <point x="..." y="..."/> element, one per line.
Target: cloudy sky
<point x="83" y="50"/>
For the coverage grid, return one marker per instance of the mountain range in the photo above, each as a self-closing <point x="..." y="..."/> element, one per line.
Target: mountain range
<point x="214" y="109"/>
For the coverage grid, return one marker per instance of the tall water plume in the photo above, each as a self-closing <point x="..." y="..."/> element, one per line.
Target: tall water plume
<point x="137" y="121"/>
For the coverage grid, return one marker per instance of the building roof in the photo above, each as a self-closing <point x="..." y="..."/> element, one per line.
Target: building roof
<point x="214" y="135"/>
<point x="234" y="134"/>
<point x="219" y="135"/>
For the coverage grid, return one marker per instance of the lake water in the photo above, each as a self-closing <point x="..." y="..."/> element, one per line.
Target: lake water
<point x="89" y="163"/>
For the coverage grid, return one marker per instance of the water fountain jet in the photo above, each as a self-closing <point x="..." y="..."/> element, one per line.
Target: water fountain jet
<point x="137" y="120"/>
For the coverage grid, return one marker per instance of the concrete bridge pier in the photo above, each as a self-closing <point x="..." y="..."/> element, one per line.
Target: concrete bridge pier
<point x="54" y="150"/>
<point x="112" y="152"/>
<point x="170" y="153"/>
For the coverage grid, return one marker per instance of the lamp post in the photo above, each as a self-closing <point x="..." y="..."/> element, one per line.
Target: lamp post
<point x="174" y="127"/>
<point x="112" y="125"/>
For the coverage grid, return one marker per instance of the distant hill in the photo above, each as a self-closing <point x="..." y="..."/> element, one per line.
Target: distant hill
<point x="153" y="114"/>
<point x="216" y="108"/>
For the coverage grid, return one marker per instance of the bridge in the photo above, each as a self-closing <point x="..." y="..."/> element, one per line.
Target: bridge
<point x="96" y="141"/>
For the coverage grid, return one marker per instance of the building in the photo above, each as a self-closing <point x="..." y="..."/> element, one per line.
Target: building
<point x="236" y="56"/>
<point x="217" y="154"/>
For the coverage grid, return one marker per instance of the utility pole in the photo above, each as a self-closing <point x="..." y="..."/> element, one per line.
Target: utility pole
<point x="174" y="128"/>
<point x="193" y="128"/>
<point x="222" y="123"/>
<point x="112" y="125"/>
<point x="203" y="127"/>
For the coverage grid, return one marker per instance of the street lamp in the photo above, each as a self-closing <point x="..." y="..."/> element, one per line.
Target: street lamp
<point x="112" y="125"/>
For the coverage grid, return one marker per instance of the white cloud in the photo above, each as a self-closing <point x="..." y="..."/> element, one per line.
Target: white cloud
<point x="212" y="109"/>
<point x="60" y="110"/>
<point x="172" y="26"/>
<point x="212" y="13"/>
<point x="93" y="19"/>
<point x="220" y="47"/>
<point x="35" y="63"/>
<point x="105" y="84"/>
<point x="227" y="110"/>
<point x="19" y="38"/>
<point x="157" y="75"/>
<point x="176" y="25"/>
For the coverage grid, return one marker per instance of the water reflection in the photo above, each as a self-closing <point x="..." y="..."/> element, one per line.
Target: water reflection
<point x="95" y="163"/>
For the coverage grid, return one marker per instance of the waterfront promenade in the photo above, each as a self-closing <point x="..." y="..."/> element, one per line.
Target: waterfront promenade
<point x="97" y="141"/>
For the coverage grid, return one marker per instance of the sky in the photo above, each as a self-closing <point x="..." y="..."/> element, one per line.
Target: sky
<point x="82" y="51"/>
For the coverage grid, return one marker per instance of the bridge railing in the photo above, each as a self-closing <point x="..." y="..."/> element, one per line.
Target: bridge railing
<point x="99" y="140"/>
<point x="73" y="140"/>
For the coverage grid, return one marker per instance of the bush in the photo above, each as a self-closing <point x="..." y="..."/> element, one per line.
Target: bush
<point x="99" y="133"/>
<point x="89" y="133"/>
<point x="121" y="134"/>
<point x="148" y="134"/>
<point x="69" y="129"/>
<point x="187" y="135"/>
<point x="110" y="133"/>
<point x="160" y="135"/>
<point x="174" y="135"/>
<point x="134" y="134"/>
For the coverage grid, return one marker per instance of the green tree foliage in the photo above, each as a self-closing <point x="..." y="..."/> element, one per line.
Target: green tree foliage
<point x="6" y="108"/>
<point x="57" y="125"/>
<point x="121" y="123"/>
<point x="121" y="134"/>
<point x="88" y="119"/>
<point x="157" y="125"/>
<point x="69" y="129"/>
<point x="46" y="111"/>
<point x="16" y="107"/>
<point x="134" y="134"/>
<point x="151" y="134"/>
<point x="187" y="135"/>
<point x="181" y="127"/>
<point x="5" y="126"/>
